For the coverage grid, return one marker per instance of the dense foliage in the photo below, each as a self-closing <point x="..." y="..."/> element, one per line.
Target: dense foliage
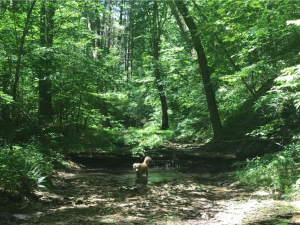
<point x="126" y="77"/>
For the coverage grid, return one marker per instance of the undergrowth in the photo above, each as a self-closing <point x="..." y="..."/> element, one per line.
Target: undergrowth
<point x="24" y="168"/>
<point x="278" y="171"/>
<point x="148" y="137"/>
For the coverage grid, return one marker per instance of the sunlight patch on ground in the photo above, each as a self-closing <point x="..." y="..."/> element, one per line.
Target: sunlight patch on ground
<point x="253" y="211"/>
<point x="261" y="193"/>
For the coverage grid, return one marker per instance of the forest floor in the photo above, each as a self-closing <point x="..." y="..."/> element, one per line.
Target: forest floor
<point x="204" y="192"/>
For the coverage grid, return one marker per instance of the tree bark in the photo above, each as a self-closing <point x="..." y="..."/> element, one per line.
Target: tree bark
<point x="120" y="23"/>
<point x="101" y="101"/>
<point x="236" y="67"/>
<point x="210" y="95"/>
<point x="183" y="28"/>
<point x="131" y="38"/>
<point x="156" y="40"/>
<point x="18" y="65"/>
<point x="17" y="77"/>
<point x="98" y="30"/>
<point x="46" y="67"/>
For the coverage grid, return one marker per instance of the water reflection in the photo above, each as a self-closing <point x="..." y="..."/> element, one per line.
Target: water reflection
<point x="143" y="181"/>
<point x="126" y="176"/>
<point x="159" y="171"/>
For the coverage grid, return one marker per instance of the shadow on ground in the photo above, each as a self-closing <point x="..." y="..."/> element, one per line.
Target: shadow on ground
<point x="193" y="192"/>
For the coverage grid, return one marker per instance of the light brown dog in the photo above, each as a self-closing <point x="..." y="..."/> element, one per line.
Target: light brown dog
<point x="141" y="168"/>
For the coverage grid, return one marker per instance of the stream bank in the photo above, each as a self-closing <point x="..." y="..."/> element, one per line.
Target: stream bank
<point x="179" y="190"/>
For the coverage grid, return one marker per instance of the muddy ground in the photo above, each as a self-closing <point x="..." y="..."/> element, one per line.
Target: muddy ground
<point x="178" y="190"/>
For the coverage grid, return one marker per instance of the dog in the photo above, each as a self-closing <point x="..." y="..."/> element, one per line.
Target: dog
<point x="141" y="168"/>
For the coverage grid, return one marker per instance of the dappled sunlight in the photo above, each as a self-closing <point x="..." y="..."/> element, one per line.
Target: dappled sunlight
<point x="210" y="90"/>
<point x="172" y="196"/>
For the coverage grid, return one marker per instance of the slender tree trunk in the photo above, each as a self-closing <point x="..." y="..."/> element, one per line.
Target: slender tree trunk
<point x="101" y="102"/>
<point x="120" y="23"/>
<point x="6" y="87"/>
<point x="46" y="40"/>
<point x="17" y="77"/>
<point x="119" y="42"/>
<point x="236" y="67"/>
<point x="109" y="29"/>
<point x="98" y="30"/>
<point x="210" y="95"/>
<point x="125" y="57"/>
<point x="125" y="45"/>
<point x="156" y="40"/>
<point x="131" y="38"/>
<point x="104" y="22"/>
<point x="104" y="113"/>
<point x="18" y="65"/>
<point x="183" y="28"/>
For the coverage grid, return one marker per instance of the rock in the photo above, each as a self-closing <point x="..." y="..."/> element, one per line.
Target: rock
<point x="296" y="219"/>
<point x="79" y="202"/>
<point x="20" y="217"/>
<point x="205" y="216"/>
<point x="6" y="218"/>
<point x="36" y="220"/>
<point x="285" y="216"/>
<point x="38" y="214"/>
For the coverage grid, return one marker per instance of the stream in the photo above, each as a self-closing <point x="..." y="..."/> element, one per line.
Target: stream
<point x="186" y="191"/>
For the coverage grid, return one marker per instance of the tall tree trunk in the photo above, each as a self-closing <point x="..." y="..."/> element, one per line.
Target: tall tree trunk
<point x="104" y="113"/>
<point x="131" y="38"/>
<point x="184" y="30"/>
<point x="119" y="42"/>
<point x="97" y="31"/>
<point x="101" y="102"/>
<point x="127" y="57"/>
<point x="120" y="23"/>
<point x="17" y="77"/>
<point x="104" y="22"/>
<point x="210" y="95"/>
<point x="236" y="67"/>
<point x="109" y="29"/>
<point x="46" y="68"/>
<point x="6" y="87"/>
<point x="18" y="65"/>
<point x="156" y="40"/>
<point x="125" y="45"/>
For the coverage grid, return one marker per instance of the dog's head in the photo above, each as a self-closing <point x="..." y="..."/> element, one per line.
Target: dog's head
<point x="136" y="167"/>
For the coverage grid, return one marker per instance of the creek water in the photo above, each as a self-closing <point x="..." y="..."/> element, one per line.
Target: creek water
<point x="103" y="178"/>
<point x="159" y="170"/>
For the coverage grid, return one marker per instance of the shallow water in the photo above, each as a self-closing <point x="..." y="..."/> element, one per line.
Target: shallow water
<point x="159" y="171"/>
<point x="125" y="176"/>
<point x="104" y="188"/>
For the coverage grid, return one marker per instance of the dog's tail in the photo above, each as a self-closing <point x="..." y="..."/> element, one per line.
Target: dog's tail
<point x="147" y="160"/>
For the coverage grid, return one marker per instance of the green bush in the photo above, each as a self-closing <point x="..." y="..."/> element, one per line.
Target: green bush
<point x="148" y="137"/>
<point x="277" y="170"/>
<point x="23" y="168"/>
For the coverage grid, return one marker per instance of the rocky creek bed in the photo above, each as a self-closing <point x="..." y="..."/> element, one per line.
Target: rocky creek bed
<point x="189" y="191"/>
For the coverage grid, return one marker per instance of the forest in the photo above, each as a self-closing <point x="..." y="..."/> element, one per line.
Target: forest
<point x="209" y="89"/>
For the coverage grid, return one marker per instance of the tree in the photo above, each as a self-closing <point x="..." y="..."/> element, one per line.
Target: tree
<point x="184" y="30"/>
<point x="17" y="77"/>
<point x="209" y="92"/>
<point x="156" y="42"/>
<point x="20" y="53"/>
<point x="46" y="67"/>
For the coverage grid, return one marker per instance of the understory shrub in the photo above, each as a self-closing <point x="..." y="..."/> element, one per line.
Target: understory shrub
<point x="276" y="170"/>
<point x="148" y="137"/>
<point x="23" y="168"/>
